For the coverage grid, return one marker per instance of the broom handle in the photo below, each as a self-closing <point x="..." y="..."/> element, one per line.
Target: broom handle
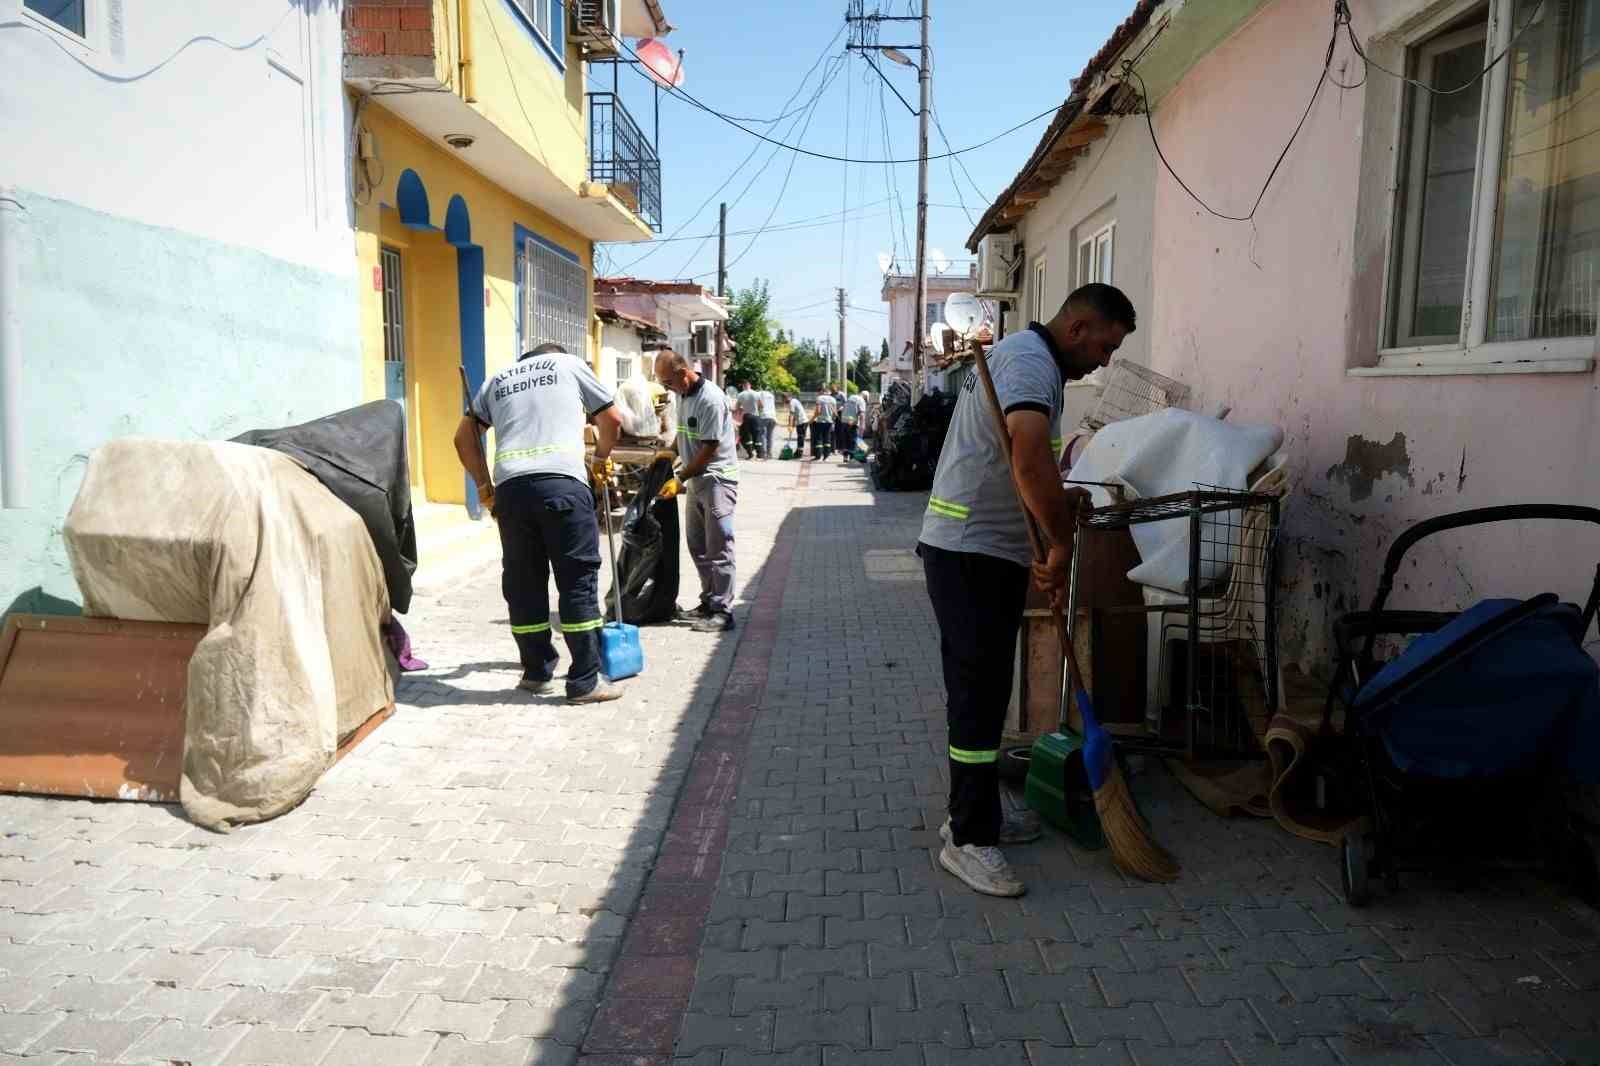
<point x="1035" y="537"/>
<point x="616" y="589"/>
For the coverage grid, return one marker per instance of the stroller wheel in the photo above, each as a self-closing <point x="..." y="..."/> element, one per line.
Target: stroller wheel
<point x="1353" y="876"/>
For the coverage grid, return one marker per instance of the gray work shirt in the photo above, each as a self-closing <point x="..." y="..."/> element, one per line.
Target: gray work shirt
<point x="974" y="507"/>
<point x="703" y="418"/>
<point x="537" y="407"/>
<point x="749" y="402"/>
<point x="827" y="408"/>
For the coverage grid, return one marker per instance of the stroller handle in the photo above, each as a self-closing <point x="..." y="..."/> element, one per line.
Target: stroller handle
<point x="1478" y="516"/>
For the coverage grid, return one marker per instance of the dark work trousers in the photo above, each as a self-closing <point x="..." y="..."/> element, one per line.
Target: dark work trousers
<point x="821" y="440"/>
<point x="846" y="441"/>
<point x="547" y="523"/>
<point x="978" y="601"/>
<point x="800" y="438"/>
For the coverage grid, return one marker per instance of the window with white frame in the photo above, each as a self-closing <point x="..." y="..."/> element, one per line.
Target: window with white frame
<point x="1036" y="306"/>
<point x="934" y="313"/>
<point x="1497" y="219"/>
<point x="1094" y="255"/>
<point x="69" y="15"/>
<point x="624" y="368"/>
<point x="555" y="306"/>
<point x="547" y="18"/>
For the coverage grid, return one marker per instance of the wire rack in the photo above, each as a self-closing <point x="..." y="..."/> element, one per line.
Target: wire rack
<point x="1212" y="649"/>
<point x="1132" y="390"/>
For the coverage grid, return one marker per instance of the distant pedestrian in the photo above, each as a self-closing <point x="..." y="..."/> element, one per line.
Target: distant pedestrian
<point x="709" y="470"/>
<point x="841" y="432"/>
<point x="824" y="412"/>
<point x="797" y="424"/>
<point x="769" y="422"/>
<point x="748" y="401"/>
<point x="850" y="421"/>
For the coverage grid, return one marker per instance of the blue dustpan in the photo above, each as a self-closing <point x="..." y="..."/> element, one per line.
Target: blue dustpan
<point x="621" y="654"/>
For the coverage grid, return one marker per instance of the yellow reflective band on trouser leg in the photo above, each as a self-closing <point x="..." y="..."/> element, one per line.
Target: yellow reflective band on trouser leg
<point x="974" y="758"/>
<point x="582" y="627"/>
<point x="537" y="627"/>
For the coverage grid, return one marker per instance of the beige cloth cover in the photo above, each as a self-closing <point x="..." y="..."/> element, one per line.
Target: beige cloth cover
<point x="243" y="540"/>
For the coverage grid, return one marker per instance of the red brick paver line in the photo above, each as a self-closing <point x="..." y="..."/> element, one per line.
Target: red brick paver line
<point x="651" y="981"/>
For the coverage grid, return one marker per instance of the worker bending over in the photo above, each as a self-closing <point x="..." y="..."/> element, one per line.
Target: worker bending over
<point x="976" y="556"/>
<point x="710" y="472"/>
<point x="541" y="499"/>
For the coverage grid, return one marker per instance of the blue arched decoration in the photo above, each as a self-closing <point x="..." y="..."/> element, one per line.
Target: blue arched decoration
<point x="470" y="300"/>
<point x="457" y="222"/>
<point x="411" y="197"/>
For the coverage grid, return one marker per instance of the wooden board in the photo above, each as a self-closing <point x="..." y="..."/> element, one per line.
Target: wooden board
<point x="94" y="706"/>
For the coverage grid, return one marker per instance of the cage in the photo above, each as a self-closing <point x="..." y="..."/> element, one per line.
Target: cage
<point x="1131" y="390"/>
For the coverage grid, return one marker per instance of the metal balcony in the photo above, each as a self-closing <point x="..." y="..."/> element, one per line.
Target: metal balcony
<point x="621" y="157"/>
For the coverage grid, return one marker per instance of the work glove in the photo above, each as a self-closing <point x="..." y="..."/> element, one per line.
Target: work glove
<point x="670" y="489"/>
<point x="603" y="471"/>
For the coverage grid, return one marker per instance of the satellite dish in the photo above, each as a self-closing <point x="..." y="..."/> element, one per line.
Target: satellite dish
<point x="660" y="62"/>
<point x="885" y="261"/>
<point x="963" y="311"/>
<point x="938" y="260"/>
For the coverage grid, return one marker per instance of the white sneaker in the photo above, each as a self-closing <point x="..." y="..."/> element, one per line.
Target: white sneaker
<point x="1016" y="827"/>
<point x="983" y="869"/>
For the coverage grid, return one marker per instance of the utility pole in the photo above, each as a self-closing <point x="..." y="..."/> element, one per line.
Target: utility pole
<point x="844" y="356"/>
<point x="924" y="81"/>
<point x="722" y="251"/>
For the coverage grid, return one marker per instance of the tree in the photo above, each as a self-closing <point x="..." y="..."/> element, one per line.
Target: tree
<point x="804" y="362"/>
<point x="755" y="356"/>
<point x="883" y="352"/>
<point x="861" y="369"/>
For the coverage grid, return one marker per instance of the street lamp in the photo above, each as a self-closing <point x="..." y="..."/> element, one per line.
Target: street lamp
<point x="894" y="55"/>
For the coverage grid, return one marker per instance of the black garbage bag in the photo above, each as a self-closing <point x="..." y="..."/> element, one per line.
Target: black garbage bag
<point x="359" y="455"/>
<point x="647" y="562"/>
<point x="910" y="439"/>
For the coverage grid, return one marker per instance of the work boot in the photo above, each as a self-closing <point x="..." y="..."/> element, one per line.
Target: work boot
<point x="983" y="869"/>
<point x="693" y="614"/>
<point x="537" y="687"/>
<point x="718" y="622"/>
<point x="1016" y="827"/>
<point x="603" y="692"/>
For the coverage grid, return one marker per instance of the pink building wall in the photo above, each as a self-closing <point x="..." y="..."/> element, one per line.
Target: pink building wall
<point x="1269" y="316"/>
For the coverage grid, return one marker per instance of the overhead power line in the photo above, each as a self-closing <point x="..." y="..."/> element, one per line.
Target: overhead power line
<point x="679" y="92"/>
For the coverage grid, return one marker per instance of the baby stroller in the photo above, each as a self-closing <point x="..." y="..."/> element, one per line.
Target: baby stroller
<point x="1462" y="743"/>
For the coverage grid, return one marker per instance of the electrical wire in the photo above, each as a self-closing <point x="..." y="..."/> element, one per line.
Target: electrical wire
<point x="679" y="92"/>
<point x="1322" y="78"/>
<point x="812" y="222"/>
<point x="844" y="185"/>
<point x="827" y="80"/>
<point x="1341" y="10"/>
<point x="754" y="150"/>
<point x="55" y="39"/>
<point x="901" y="237"/>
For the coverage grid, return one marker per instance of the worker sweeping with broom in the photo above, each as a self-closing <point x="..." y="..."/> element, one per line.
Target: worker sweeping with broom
<point x="977" y="556"/>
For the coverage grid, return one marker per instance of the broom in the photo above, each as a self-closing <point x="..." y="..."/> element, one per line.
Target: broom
<point x="1133" y="849"/>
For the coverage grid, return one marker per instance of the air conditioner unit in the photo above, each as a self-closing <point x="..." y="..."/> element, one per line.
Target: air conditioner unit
<point x="597" y="25"/>
<point x="701" y="340"/>
<point x="997" y="265"/>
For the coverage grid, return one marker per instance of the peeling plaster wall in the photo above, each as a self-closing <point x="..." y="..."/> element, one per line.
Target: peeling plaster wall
<point x="1267" y="316"/>
<point x="132" y="329"/>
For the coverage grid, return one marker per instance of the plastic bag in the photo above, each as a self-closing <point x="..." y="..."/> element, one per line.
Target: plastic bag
<point x="637" y="410"/>
<point x="647" y="564"/>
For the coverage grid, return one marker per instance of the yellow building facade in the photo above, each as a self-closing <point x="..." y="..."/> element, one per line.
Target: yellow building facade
<point x="474" y="211"/>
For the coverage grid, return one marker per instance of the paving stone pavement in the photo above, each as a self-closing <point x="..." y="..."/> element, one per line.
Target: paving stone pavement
<point x="836" y="940"/>
<point x="453" y="892"/>
<point x="488" y="867"/>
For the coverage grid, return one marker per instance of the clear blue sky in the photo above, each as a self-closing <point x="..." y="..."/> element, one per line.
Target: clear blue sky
<point x="994" y="65"/>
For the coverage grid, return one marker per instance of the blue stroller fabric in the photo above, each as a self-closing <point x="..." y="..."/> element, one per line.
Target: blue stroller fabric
<point x="1528" y="696"/>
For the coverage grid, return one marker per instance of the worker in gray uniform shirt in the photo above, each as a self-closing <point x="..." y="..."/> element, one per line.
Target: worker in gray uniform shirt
<point x="540" y="497"/>
<point x="710" y="471"/>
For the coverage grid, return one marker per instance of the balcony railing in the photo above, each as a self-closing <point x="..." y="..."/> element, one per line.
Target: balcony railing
<point x="621" y="157"/>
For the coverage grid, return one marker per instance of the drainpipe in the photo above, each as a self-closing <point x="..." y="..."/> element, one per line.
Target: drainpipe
<point x="11" y="219"/>
<point x="464" y="51"/>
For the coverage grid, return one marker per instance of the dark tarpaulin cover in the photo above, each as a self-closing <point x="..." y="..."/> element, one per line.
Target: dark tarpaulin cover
<point x="359" y="455"/>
